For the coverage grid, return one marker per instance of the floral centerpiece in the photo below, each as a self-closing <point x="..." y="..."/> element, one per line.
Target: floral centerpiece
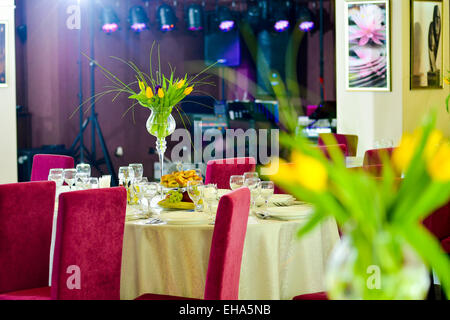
<point x="386" y="250"/>
<point x="160" y="93"/>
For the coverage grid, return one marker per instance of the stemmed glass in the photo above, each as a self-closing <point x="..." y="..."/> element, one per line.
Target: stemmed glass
<point x="195" y="193"/>
<point x="69" y="177"/>
<point x="254" y="184"/>
<point x="209" y="196"/>
<point x="236" y="182"/>
<point x="249" y="175"/>
<point x="124" y="176"/>
<point x="150" y="191"/>
<point x="137" y="171"/>
<point x="267" y="190"/>
<point x="84" y="172"/>
<point x="56" y="175"/>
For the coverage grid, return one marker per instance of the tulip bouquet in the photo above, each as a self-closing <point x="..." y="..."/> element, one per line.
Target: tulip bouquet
<point x="380" y="217"/>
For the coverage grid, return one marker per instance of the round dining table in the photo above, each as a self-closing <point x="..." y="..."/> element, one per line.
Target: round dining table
<point x="172" y="259"/>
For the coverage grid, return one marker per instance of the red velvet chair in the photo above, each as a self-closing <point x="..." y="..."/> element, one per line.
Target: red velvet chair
<point x="26" y="218"/>
<point x="326" y="149"/>
<point x="42" y="163"/>
<point x="375" y="156"/>
<point x="350" y="141"/>
<point x="312" y="296"/>
<point x="224" y="267"/>
<point x="89" y="240"/>
<point x="219" y="171"/>
<point x="438" y="223"/>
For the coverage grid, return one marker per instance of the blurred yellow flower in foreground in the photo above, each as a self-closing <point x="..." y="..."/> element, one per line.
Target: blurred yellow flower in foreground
<point x="447" y="80"/>
<point x="305" y="170"/>
<point x="160" y="93"/>
<point x="410" y="142"/>
<point x="141" y="86"/>
<point x="439" y="165"/>
<point x="149" y="93"/>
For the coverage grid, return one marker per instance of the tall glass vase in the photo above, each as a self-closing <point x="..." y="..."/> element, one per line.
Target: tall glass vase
<point x="161" y="125"/>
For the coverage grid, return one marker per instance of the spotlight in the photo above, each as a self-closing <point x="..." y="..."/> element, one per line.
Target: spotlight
<point x="253" y="15"/>
<point x="194" y="17"/>
<point x="225" y="19"/>
<point x="282" y="16"/>
<point x="110" y="21"/>
<point x="166" y="17"/>
<point x="305" y="19"/>
<point x="138" y="19"/>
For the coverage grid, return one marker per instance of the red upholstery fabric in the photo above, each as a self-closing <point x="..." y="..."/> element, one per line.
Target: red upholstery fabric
<point x="42" y="163"/>
<point x="224" y="267"/>
<point x="219" y="171"/>
<point x="31" y="294"/>
<point x="312" y="296"/>
<point x="446" y="244"/>
<point x="350" y="141"/>
<point x="150" y="296"/>
<point x="439" y="224"/>
<point x="26" y="218"/>
<point x="89" y="235"/>
<point x="326" y="152"/>
<point x="375" y="156"/>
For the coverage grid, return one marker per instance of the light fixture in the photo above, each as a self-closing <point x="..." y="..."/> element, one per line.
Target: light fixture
<point x="305" y="19"/>
<point x="194" y="17"/>
<point x="166" y="17"/>
<point x="138" y="19"/>
<point x="281" y="16"/>
<point x="110" y="21"/>
<point x="253" y="15"/>
<point x="226" y="21"/>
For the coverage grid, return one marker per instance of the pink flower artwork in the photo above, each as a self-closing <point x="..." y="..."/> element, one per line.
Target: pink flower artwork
<point x="369" y="25"/>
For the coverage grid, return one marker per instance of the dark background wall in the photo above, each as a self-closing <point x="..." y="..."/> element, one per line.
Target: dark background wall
<point x="47" y="72"/>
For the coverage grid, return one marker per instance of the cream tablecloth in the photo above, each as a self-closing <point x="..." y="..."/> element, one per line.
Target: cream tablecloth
<point x="276" y="265"/>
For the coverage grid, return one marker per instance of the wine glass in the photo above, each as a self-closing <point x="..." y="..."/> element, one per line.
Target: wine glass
<point x="69" y="177"/>
<point x="249" y="175"/>
<point x="84" y="172"/>
<point x="137" y="171"/>
<point x="93" y="183"/>
<point x="236" y="182"/>
<point x="209" y="196"/>
<point x="194" y="192"/>
<point x="267" y="190"/>
<point x="56" y="175"/>
<point x="124" y="176"/>
<point x="150" y="191"/>
<point x="254" y="185"/>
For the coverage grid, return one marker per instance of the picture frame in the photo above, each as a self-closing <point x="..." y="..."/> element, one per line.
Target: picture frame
<point x="427" y="44"/>
<point x="368" y="54"/>
<point x="3" y="54"/>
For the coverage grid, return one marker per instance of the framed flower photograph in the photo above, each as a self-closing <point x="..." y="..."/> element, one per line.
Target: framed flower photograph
<point x="367" y="37"/>
<point x="3" y="53"/>
<point x="427" y="42"/>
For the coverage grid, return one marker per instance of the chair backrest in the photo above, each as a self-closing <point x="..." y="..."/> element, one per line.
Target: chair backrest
<point x="42" y="163"/>
<point x="26" y="219"/>
<point x="219" y="171"/>
<point x="88" y="245"/>
<point x="376" y="156"/>
<point x="350" y="141"/>
<point x="326" y="149"/>
<point x="224" y="268"/>
<point x="438" y="223"/>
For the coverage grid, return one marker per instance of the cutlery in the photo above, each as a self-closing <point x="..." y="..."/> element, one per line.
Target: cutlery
<point x="266" y="216"/>
<point x="155" y="221"/>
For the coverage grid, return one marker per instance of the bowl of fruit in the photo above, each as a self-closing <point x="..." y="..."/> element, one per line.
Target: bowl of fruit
<point x="175" y="185"/>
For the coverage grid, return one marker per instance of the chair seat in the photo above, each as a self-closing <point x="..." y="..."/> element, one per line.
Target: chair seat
<point x="29" y="294"/>
<point x="150" y="296"/>
<point x="312" y="296"/>
<point x="446" y="244"/>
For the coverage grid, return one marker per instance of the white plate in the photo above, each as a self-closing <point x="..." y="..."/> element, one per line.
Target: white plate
<point x="184" y="218"/>
<point x="290" y="213"/>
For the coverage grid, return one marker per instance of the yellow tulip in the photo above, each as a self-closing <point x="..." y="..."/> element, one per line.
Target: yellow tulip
<point x="141" y="86"/>
<point x="180" y="84"/>
<point x="447" y="80"/>
<point x="188" y="91"/>
<point x="305" y="170"/>
<point x="439" y="165"/>
<point x="149" y="93"/>
<point x="160" y="93"/>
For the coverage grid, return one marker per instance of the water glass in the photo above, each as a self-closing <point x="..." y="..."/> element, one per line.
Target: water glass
<point x="210" y="196"/>
<point x="195" y="193"/>
<point x="150" y="191"/>
<point x="69" y="177"/>
<point x="236" y="182"/>
<point x="137" y="171"/>
<point x="249" y="175"/>
<point x="104" y="182"/>
<point x="267" y="190"/>
<point x="93" y="183"/>
<point x="254" y="184"/>
<point x="56" y="175"/>
<point x="124" y="176"/>
<point x="84" y="168"/>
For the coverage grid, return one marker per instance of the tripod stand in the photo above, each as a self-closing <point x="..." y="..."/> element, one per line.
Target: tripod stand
<point x="78" y="147"/>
